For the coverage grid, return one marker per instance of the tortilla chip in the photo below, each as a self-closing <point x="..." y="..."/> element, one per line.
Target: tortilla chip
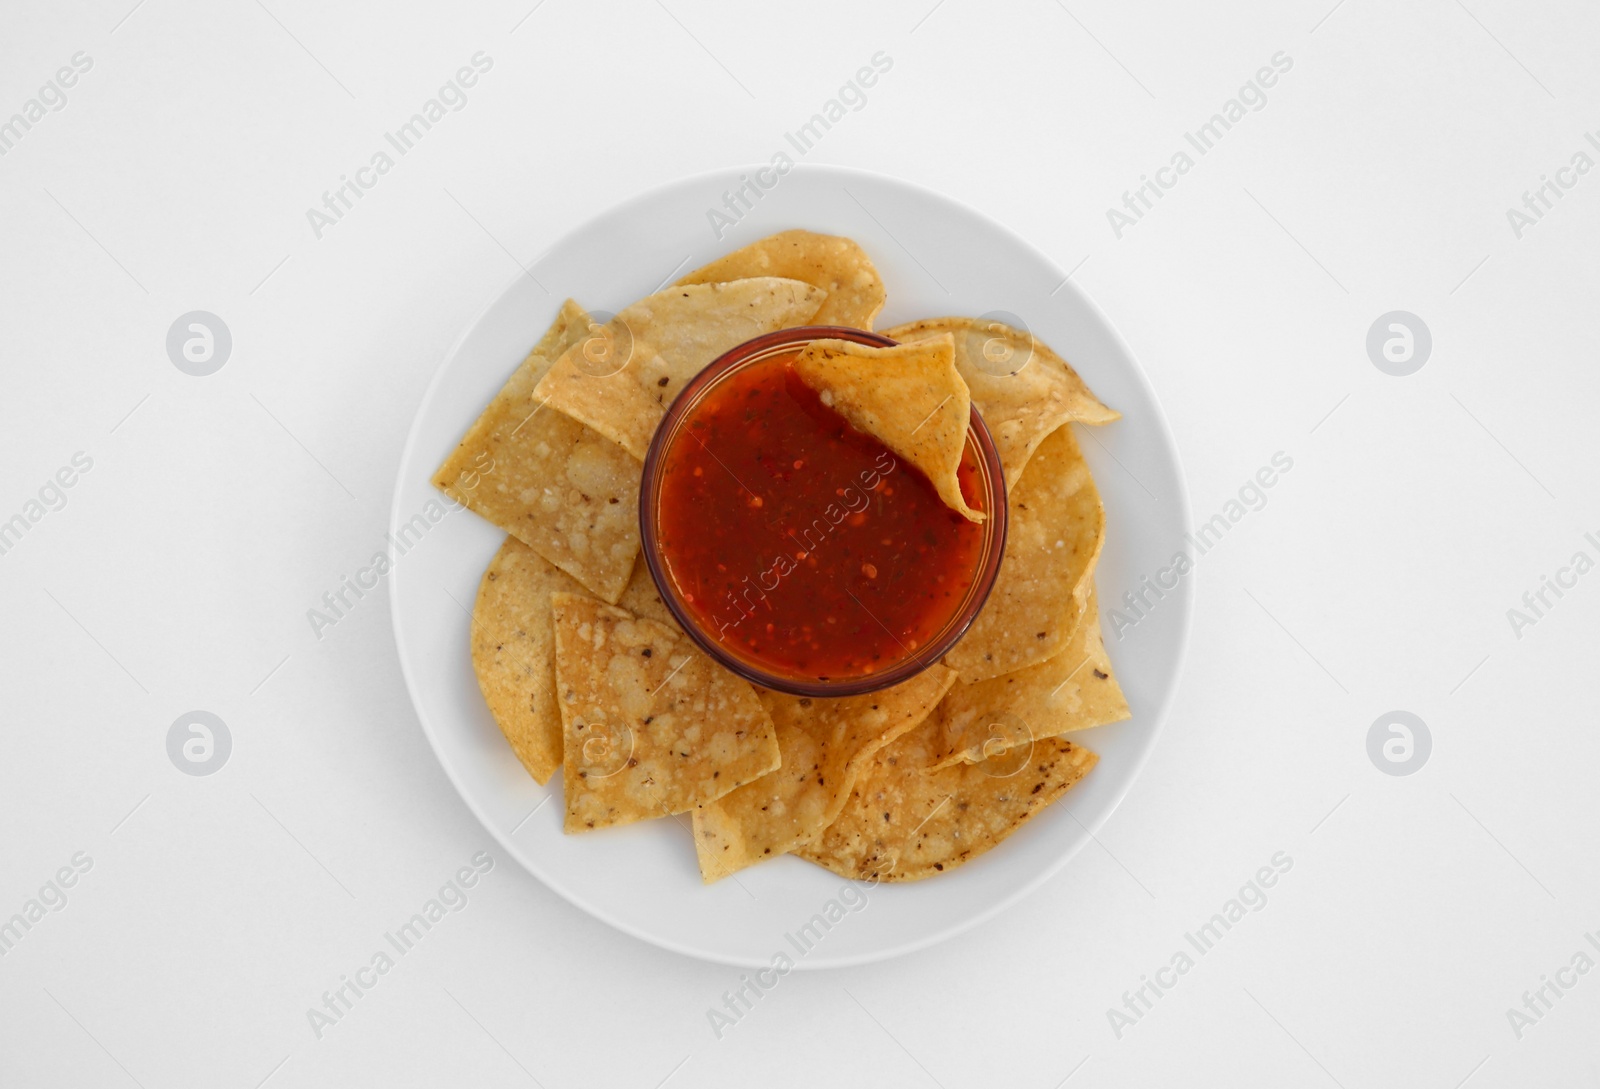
<point x="559" y="487"/>
<point x="908" y="397"/>
<point x="1072" y="690"/>
<point x="620" y="380"/>
<point x="513" y="653"/>
<point x="1054" y="530"/>
<point x="643" y="599"/>
<point x="825" y="742"/>
<point x="837" y="265"/>
<point x="904" y="823"/>
<point x="1022" y="389"/>
<point x="652" y="727"/>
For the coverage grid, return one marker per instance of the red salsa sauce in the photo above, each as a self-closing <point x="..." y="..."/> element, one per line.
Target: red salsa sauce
<point x="802" y="545"/>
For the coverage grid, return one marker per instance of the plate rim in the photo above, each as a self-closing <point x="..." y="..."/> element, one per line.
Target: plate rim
<point x="1158" y="716"/>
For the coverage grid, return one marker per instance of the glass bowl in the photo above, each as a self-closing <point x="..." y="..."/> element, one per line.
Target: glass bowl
<point x="991" y="499"/>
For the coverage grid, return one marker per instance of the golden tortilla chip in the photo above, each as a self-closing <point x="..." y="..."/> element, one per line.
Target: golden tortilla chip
<point x="1072" y="690"/>
<point x="904" y="823"/>
<point x="564" y="490"/>
<point x="620" y="379"/>
<point x="1022" y="389"/>
<point x="513" y="653"/>
<point x="643" y="599"/>
<point x="908" y="397"/>
<point x="837" y="265"/>
<point x="652" y="727"/>
<point x="1054" y="530"/>
<point x="825" y="742"/>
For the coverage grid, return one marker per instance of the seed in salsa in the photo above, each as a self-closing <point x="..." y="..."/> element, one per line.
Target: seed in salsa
<point x="802" y="545"/>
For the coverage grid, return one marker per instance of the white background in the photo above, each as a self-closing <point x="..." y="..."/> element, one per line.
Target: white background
<point x="1377" y="577"/>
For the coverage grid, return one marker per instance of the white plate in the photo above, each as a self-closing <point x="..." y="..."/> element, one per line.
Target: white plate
<point x="937" y="258"/>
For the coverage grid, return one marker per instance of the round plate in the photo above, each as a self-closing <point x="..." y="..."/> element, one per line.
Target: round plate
<point x="936" y="258"/>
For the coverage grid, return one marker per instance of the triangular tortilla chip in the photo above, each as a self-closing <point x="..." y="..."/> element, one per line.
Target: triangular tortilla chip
<point x="620" y="379"/>
<point x="1055" y="526"/>
<point x="904" y="822"/>
<point x="652" y="727"/>
<point x="908" y="397"/>
<point x="563" y="489"/>
<point x="642" y="598"/>
<point x="1074" y="689"/>
<point x="1022" y="389"/>
<point x="513" y="653"/>
<point x="837" y="265"/>
<point x="824" y="743"/>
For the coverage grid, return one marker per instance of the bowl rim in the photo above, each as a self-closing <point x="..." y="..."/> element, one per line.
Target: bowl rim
<point x="992" y="481"/>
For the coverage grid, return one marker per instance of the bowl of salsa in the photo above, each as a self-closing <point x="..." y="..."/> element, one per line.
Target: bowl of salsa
<point x="799" y="552"/>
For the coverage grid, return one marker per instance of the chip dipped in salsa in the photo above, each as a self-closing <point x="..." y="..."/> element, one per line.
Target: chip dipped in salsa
<point x="801" y="546"/>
